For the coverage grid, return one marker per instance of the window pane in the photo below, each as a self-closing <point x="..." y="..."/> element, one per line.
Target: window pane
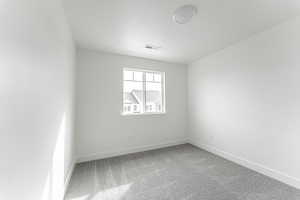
<point x="157" y="77"/>
<point x="149" y="76"/>
<point x="132" y="97"/>
<point x="128" y="75"/>
<point x="138" y="76"/>
<point x="153" y="97"/>
<point x="142" y="92"/>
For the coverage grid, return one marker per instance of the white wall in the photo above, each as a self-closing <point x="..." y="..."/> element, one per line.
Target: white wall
<point x="36" y="89"/>
<point x="244" y="102"/>
<point x="101" y="130"/>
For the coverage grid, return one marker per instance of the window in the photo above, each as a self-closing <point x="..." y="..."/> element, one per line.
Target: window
<point x="143" y="92"/>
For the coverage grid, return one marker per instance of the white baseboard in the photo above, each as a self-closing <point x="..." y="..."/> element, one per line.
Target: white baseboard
<point x="129" y="151"/>
<point x="280" y="176"/>
<point x="69" y="175"/>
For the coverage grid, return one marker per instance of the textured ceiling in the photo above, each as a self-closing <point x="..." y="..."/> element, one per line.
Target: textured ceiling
<point x="126" y="26"/>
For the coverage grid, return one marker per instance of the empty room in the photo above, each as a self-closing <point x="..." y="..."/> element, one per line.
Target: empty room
<point x="149" y="100"/>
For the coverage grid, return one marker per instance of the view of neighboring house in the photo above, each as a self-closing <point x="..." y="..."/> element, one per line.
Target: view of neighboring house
<point x="133" y="101"/>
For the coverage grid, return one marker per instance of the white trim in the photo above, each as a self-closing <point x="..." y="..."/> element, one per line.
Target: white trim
<point x="69" y="175"/>
<point x="141" y="69"/>
<point x="98" y="156"/>
<point x="280" y="176"/>
<point x="145" y="113"/>
<point x="163" y="90"/>
<point x="144" y="92"/>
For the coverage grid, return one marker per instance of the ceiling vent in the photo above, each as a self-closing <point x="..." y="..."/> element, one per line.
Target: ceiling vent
<point x="152" y="47"/>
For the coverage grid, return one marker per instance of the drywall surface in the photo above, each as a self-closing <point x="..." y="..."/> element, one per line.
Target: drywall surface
<point x="244" y="101"/>
<point x="101" y="130"/>
<point x="36" y="99"/>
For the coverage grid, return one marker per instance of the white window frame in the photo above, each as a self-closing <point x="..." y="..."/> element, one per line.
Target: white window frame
<point x="143" y="109"/>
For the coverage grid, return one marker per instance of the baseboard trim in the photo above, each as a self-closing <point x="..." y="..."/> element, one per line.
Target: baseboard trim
<point x="282" y="177"/>
<point x="69" y="175"/>
<point x="129" y="151"/>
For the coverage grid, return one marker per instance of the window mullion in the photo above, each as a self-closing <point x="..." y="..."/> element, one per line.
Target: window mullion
<point x="144" y="91"/>
<point x="163" y="95"/>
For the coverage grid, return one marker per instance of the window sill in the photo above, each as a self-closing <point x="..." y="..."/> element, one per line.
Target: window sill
<point x="141" y="114"/>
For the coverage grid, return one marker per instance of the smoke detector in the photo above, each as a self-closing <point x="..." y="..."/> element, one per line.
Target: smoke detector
<point x="184" y="14"/>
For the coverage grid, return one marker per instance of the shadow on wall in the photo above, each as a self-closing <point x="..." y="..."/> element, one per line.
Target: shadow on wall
<point x="55" y="184"/>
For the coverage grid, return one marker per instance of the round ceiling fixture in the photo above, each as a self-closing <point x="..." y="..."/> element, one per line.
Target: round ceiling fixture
<point x="184" y="14"/>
